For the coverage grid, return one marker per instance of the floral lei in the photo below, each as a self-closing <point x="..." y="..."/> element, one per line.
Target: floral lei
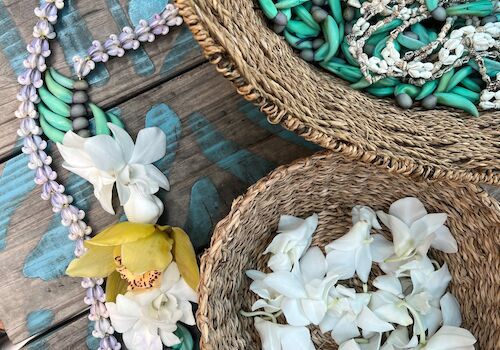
<point x="151" y="270"/>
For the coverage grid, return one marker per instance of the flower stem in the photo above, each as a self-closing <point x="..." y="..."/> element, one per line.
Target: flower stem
<point x="417" y="319"/>
<point x="259" y="313"/>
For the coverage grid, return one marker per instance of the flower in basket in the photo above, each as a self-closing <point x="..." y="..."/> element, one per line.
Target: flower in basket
<point x="104" y="161"/>
<point x="283" y="337"/>
<point x="134" y="257"/>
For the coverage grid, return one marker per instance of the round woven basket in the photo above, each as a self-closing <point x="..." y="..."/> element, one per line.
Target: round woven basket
<point x="330" y="185"/>
<point x="442" y="143"/>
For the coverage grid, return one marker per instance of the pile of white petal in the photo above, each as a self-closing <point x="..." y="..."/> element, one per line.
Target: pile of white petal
<point x="407" y="308"/>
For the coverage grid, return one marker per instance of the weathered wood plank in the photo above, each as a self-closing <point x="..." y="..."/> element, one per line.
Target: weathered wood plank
<point x="80" y="23"/>
<point x="216" y="148"/>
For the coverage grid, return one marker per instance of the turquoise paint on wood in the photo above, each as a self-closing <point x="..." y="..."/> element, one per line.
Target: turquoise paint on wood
<point x="245" y="165"/>
<point x="16" y="183"/>
<point x="91" y="342"/>
<point x="75" y="38"/>
<point x="165" y="118"/>
<point x="143" y="65"/>
<point x="39" y="320"/>
<point x="51" y="256"/>
<point x="184" y="47"/>
<point x="204" y="212"/>
<point x="140" y="9"/>
<point x="11" y="42"/>
<point x="257" y="117"/>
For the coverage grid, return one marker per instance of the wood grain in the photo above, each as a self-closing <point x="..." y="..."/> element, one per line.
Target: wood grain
<point x="83" y="21"/>
<point x="219" y="150"/>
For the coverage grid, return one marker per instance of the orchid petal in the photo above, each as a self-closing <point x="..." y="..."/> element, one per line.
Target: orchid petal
<point x="298" y="339"/>
<point x="122" y="232"/>
<point x="154" y="174"/>
<point x="279" y="262"/>
<point x="147" y="254"/>
<point x="428" y="224"/>
<point x="432" y="320"/>
<point x="142" y="208"/>
<point x="344" y="329"/>
<point x="408" y="210"/>
<point x="267" y="333"/>
<point x="255" y="274"/>
<point x="286" y="283"/>
<point x="150" y="146"/>
<point x="349" y="345"/>
<point x="352" y="239"/>
<point x="361" y="212"/>
<point x="169" y="338"/>
<point x="451" y="310"/>
<point x="444" y="241"/>
<point x="341" y="263"/>
<point x="105" y="153"/>
<point x="96" y="262"/>
<point x="294" y="313"/>
<point x="122" y="323"/>
<point x="394" y="314"/>
<point x="104" y="194"/>
<point x="399" y="230"/>
<point x="123" y="140"/>
<point x="381" y="248"/>
<point x="313" y="264"/>
<point x="389" y="284"/>
<point x="451" y="338"/>
<point x="314" y="310"/>
<point x="370" y="322"/>
<point x="185" y="257"/>
<point x="363" y="262"/>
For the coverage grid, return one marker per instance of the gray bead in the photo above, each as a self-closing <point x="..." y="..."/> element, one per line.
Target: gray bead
<point x="83" y="133"/>
<point x="307" y="55"/>
<point x="80" y="85"/>
<point x="280" y="19"/>
<point x="78" y="110"/>
<point x="411" y="35"/>
<point x="318" y="2"/>
<point x="439" y="14"/>
<point x="348" y="28"/>
<point x="369" y="48"/>
<point x="80" y="123"/>
<point x="319" y="15"/>
<point x="278" y="29"/>
<point x="429" y="102"/>
<point x="488" y="19"/>
<point x="349" y="14"/>
<point x="317" y="43"/>
<point x="80" y="97"/>
<point x="404" y="101"/>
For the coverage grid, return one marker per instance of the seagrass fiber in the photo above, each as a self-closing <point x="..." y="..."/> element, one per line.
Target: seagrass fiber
<point x="436" y="144"/>
<point x="330" y="185"/>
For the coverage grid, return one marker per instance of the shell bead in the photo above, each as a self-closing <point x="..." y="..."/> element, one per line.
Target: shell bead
<point x="83" y="133"/>
<point x="404" y="100"/>
<point x="81" y="85"/>
<point x="439" y="14"/>
<point x="430" y="102"/>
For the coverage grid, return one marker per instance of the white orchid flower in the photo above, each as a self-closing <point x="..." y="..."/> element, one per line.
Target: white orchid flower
<point x="364" y="213"/>
<point x="355" y="251"/>
<point x="414" y="231"/>
<point x="363" y="344"/>
<point x="148" y="320"/>
<point x="450" y="338"/>
<point x="399" y="339"/>
<point x="104" y="160"/>
<point x="388" y="301"/>
<point x="451" y="310"/>
<point x="305" y="289"/>
<point x="293" y="239"/>
<point x="404" y="267"/>
<point x="270" y="299"/>
<point x="348" y="311"/>
<point x="283" y="337"/>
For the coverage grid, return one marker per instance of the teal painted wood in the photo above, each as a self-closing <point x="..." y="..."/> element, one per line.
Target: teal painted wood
<point x="11" y="42"/>
<point x="143" y="65"/>
<point x="39" y="320"/>
<point x="75" y="38"/>
<point x="16" y="182"/>
<point x="185" y="47"/>
<point x="140" y="9"/>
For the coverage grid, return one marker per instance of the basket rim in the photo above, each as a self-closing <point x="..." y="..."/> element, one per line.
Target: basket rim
<point x="210" y="260"/>
<point x="217" y="55"/>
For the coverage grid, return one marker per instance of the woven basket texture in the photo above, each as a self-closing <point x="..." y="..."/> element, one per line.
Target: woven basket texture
<point x="330" y="185"/>
<point x="442" y="143"/>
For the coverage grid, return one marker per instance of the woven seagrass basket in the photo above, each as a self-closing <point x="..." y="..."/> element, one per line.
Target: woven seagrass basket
<point x="434" y="144"/>
<point x="330" y="185"/>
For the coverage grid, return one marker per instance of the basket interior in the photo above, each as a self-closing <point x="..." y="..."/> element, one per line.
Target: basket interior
<point x="331" y="187"/>
<point x="441" y="143"/>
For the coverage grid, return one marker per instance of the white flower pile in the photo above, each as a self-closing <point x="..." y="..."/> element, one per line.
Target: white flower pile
<point x="407" y="308"/>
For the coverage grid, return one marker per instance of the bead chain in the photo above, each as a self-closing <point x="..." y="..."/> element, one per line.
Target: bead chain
<point x="35" y="147"/>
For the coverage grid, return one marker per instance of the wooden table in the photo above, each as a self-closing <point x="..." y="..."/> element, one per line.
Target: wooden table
<point x="218" y="145"/>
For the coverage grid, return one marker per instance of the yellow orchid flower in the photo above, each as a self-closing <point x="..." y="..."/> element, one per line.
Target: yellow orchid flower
<point x="138" y="254"/>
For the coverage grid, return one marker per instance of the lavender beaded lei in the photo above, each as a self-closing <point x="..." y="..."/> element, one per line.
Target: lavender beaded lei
<point x="34" y="146"/>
